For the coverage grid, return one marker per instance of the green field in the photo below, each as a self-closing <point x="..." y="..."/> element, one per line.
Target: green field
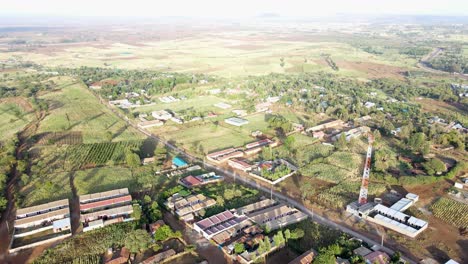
<point x="75" y="108"/>
<point x="46" y="188"/>
<point x="199" y="103"/>
<point x="103" y="179"/>
<point x="208" y="137"/>
<point x="13" y="118"/>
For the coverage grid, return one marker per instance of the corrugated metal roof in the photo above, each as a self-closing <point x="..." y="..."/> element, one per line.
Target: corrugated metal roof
<point x="95" y="196"/>
<point x="42" y="207"/>
<point x="127" y="209"/>
<point x="112" y="201"/>
<point x="42" y="217"/>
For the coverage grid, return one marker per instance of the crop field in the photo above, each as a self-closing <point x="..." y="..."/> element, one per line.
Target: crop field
<point x="60" y="138"/>
<point x="12" y="119"/>
<point x="327" y="172"/>
<point x="75" y="108"/>
<point x="345" y="160"/>
<point x="340" y="166"/>
<point x="229" y="54"/>
<point x="451" y="211"/>
<point x="92" y="155"/>
<point x="342" y="194"/>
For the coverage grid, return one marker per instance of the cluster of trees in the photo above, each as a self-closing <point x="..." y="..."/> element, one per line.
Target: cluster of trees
<point x="343" y="248"/>
<point x="138" y="241"/>
<point x="414" y="52"/>
<point x="26" y="85"/>
<point x="276" y="173"/>
<point x="95" y="242"/>
<point x="7" y="161"/>
<point x="451" y="60"/>
<point x="279" y="123"/>
<point x="125" y="81"/>
<point x="150" y="209"/>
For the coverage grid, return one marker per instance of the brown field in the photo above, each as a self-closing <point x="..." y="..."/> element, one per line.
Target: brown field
<point x="373" y="70"/>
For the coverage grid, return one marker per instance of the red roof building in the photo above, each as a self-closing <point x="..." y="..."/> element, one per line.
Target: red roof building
<point x="109" y="202"/>
<point x="191" y="181"/>
<point x="377" y="257"/>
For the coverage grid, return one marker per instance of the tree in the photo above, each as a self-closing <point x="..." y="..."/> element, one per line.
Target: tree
<point x="219" y="200"/>
<point x="416" y="141"/>
<point x="434" y="166"/>
<point x="154" y="213"/>
<point x="297" y="233"/>
<point x="147" y="199"/>
<point x="109" y="136"/>
<point x="289" y="142"/>
<point x="137" y="241"/>
<point x="132" y="159"/>
<point x="136" y="212"/>
<point x="396" y="257"/>
<point x="384" y="158"/>
<point x="287" y="235"/>
<point x="341" y="143"/>
<point x="163" y="233"/>
<point x="239" y="248"/>
<point x="267" y="244"/>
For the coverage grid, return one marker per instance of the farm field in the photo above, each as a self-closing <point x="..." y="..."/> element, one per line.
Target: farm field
<point x="451" y="211"/>
<point x="230" y="54"/>
<point x="98" y="154"/>
<point x="74" y="108"/>
<point x="12" y="119"/>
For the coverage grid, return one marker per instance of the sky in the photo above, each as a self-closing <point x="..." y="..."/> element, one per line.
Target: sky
<point x="231" y="8"/>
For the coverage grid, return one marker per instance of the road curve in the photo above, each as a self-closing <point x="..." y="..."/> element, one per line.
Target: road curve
<point x="424" y="64"/>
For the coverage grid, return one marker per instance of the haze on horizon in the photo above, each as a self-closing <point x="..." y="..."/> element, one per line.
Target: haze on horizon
<point x="230" y="9"/>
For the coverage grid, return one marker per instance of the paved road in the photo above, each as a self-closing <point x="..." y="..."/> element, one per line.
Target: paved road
<point x="424" y="64"/>
<point x="315" y="217"/>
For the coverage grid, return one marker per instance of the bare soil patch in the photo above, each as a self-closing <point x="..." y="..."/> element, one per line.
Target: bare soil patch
<point x="373" y="70"/>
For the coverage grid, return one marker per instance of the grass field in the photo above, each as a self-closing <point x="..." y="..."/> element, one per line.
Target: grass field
<point x="208" y="138"/>
<point x="199" y="103"/>
<point x="13" y="118"/>
<point x="103" y="179"/>
<point x="257" y="122"/>
<point x="46" y="188"/>
<point x="74" y="108"/>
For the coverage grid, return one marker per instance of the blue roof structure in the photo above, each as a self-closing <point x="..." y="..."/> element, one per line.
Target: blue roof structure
<point x="62" y="223"/>
<point x="177" y="161"/>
